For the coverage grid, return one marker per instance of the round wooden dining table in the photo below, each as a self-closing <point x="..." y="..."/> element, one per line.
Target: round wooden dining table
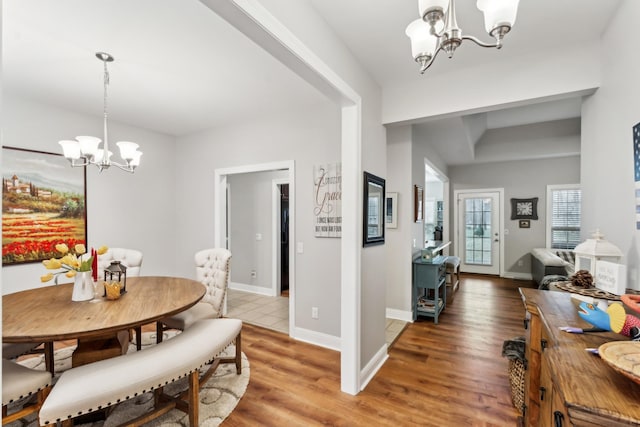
<point x="47" y="314"/>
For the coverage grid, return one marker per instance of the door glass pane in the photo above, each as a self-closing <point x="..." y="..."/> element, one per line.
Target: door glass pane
<point x="478" y="231"/>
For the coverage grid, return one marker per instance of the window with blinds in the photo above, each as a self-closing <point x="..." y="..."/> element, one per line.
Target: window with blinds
<point x="564" y="217"/>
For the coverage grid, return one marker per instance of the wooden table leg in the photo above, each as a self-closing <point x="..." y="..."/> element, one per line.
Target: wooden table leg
<point x="48" y="356"/>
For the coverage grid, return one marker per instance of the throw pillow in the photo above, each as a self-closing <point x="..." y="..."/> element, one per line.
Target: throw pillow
<point x="567" y="256"/>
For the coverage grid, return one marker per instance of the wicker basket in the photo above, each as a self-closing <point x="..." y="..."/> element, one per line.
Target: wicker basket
<point x="516" y="379"/>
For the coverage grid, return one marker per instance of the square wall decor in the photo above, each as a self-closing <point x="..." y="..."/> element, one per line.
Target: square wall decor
<point x="524" y="208"/>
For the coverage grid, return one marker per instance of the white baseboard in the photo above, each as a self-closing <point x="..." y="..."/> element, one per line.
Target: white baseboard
<point x="406" y="316"/>
<point x="317" y="338"/>
<point x="517" y="276"/>
<point x="374" y="365"/>
<point x="251" y="288"/>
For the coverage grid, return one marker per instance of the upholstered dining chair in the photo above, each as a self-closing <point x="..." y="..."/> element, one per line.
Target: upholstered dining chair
<point x="13" y="350"/>
<point x="19" y="382"/>
<point x="212" y="270"/>
<point x="130" y="258"/>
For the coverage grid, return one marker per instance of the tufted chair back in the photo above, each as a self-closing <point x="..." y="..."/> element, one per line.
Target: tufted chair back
<point x="212" y="270"/>
<point x="130" y="258"/>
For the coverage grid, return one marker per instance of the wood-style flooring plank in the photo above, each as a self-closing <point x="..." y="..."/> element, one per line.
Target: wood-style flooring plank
<point x="450" y="374"/>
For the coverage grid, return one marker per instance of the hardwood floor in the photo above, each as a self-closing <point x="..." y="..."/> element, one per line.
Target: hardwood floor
<point x="450" y="374"/>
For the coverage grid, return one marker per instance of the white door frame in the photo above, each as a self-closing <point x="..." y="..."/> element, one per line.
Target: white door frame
<point x="220" y="206"/>
<point x="456" y="226"/>
<point x="276" y="255"/>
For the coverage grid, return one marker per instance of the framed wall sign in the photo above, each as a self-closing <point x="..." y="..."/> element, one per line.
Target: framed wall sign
<point x="43" y="204"/>
<point x="418" y="203"/>
<point x="327" y="193"/>
<point x="373" y="210"/>
<point x="391" y="210"/>
<point x="524" y="208"/>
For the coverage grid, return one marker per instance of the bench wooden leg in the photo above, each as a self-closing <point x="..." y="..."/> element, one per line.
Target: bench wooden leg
<point x="239" y="354"/>
<point x="194" y="400"/>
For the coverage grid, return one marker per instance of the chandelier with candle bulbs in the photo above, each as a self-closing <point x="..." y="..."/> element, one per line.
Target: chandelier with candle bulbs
<point x="86" y="150"/>
<point x="438" y="29"/>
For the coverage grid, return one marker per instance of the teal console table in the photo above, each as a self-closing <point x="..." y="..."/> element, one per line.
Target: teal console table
<point x="429" y="294"/>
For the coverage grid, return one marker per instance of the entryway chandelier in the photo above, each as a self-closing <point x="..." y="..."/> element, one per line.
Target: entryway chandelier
<point x="85" y="150"/>
<point x="438" y="29"/>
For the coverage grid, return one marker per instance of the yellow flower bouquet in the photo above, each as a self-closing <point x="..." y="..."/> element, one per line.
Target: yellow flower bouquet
<point x="71" y="261"/>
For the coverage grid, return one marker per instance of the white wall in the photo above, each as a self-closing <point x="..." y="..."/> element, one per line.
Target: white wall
<point x="608" y="116"/>
<point x="250" y="214"/>
<point x="504" y="82"/>
<point x="307" y="137"/>
<point x="398" y="240"/>
<point x="302" y="20"/>
<point x="123" y="210"/>
<point x="405" y="146"/>
<point x="520" y="179"/>
<point x="421" y="151"/>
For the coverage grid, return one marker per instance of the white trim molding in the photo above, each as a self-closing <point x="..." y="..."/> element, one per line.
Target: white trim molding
<point x="374" y="365"/>
<point x="406" y="316"/>
<point x="317" y="338"/>
<point x="259" y="290"/>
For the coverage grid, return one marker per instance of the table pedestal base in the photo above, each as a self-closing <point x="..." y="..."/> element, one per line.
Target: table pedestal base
<point x="94" y="349"/>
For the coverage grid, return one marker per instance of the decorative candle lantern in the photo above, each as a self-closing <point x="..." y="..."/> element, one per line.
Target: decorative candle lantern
<point x="597" y="249"/>
<point x="117" y="272"/>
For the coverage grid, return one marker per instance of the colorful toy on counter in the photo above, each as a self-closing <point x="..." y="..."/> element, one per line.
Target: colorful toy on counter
<point x="594" y="315"/>
<point x="631" y="301"/>
<point x="623" y="323"/>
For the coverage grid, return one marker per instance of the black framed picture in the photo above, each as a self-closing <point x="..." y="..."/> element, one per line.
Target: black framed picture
<point x="373" y="212"/>
<point x="524" y="208"/>
<point x="525" y="223"/>
<point x="418" y="203"/>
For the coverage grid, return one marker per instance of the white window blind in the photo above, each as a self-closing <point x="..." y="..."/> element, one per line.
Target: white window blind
<point x="565" y="217"/>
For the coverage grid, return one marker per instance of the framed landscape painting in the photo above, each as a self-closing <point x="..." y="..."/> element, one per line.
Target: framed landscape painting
<point x="43" y="204"/>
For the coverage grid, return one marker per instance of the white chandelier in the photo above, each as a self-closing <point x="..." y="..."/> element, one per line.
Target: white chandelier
<point x="438" y="29"/>
<point x="84" y="150"/>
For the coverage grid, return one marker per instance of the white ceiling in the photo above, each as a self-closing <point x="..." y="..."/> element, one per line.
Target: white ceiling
<point x="179" y="68"/>
<point x="375" y="32"/>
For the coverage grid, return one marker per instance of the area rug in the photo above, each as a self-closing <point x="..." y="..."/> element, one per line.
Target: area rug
<point x="218" y="396"/>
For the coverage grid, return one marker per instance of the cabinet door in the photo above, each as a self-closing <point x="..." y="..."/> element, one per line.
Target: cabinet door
<point x="546" y="395"/>
<point x="532" y="378"/>
<point x="427" y="275"/>
<point x="559" y="411"/>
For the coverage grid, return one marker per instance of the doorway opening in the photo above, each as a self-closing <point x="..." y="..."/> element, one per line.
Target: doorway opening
<point x="254" y="211"/>
<point x="284" y="239"/>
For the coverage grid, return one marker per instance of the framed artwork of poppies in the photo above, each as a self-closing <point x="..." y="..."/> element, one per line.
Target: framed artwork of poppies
<point x="43" y="204"/>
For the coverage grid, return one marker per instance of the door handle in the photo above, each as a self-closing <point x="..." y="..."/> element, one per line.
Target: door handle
<point x="496" y="240"/>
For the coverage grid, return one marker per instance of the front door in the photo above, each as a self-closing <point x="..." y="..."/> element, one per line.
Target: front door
<point x="478" y="232"/>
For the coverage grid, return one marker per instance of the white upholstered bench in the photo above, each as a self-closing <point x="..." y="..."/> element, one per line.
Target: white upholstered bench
<point x="98" y="385"/>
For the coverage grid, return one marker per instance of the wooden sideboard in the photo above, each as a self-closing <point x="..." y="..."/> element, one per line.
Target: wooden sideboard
<point x="565" y="385"/>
